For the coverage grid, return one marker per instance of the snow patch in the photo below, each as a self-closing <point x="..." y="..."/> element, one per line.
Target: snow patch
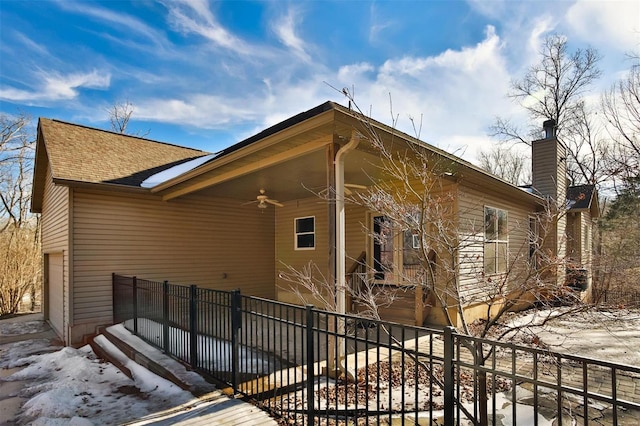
<point x="74" y="387"/>
<point x="172" y="172"/>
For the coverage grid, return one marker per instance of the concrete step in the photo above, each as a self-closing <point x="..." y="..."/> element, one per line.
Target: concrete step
<point x="210" y="405"/>
<point x="151" y="358"/>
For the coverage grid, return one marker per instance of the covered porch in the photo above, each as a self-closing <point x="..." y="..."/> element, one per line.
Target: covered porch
<point x="289" y="179"/>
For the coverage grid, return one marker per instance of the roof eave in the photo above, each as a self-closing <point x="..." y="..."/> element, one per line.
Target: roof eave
<point x="102" y="186"/>
<point x="243" y="148"/>
<point x="39" y="172"/>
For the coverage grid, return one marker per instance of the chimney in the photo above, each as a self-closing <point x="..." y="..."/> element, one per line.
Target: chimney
<point x="549" y="167"/>
<point x="549" y="164"/>
<point x="549" y="127"/>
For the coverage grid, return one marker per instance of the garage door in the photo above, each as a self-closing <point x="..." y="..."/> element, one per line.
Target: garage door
<point x="56" y="294"/>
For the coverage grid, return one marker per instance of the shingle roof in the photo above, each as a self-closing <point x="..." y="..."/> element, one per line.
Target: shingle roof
<point x="580" y="197"/>
<point x="84" y="154"/>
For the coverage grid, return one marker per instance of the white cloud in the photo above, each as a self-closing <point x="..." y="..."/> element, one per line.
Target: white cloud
<point x="194" y="16"/>
<point x="456" y="92"/>
<point x="377" y="25"/>
<point x="202" y="111"/>
<point x="285" y="30"/>
<point x="616" y="23"/>
<point x="348" y="73"/>
<point x="56" y="87"/>
<point x="119" y="21"/>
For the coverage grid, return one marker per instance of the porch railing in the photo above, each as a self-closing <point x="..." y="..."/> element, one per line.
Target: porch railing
<point x="278" y="354"/>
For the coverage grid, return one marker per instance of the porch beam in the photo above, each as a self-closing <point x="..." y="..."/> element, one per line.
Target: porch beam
<point x="272" y="139"/>
<point x="248" y="168"/>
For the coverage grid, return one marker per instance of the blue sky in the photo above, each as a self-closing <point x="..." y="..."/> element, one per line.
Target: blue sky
<point x="207" y="74"/>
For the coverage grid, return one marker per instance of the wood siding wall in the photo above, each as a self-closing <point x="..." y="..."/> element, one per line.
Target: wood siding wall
<point x="55" y="240"/>
<point x="285" y="253"/>
<point x="471" y="205"/>
<point x="550" y="179"/>
<point x="212" y="243"/>
<point x="549" y="168"/>
<point x="287" y="256"/>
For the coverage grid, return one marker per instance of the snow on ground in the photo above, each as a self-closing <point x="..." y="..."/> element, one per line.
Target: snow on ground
<point x="214" y="354"/>
<point x="27" y="327"/>
<point x="73" y="386"/>
<point x="607" y="335"/>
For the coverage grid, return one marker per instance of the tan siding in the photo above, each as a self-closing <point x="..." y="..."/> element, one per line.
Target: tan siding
<point x="287" y="256"/>
<point x="55" y="240"/>
<point x="356" y="232"/>
<point x="471" y="256"/>
<point x="574" y="237"/>
<point x="587" y="237"/>
<point x="55" y="227"/>
<point x="549" y="168"/>
<point x="191" y="240"/>
<point x="550" y="179"/>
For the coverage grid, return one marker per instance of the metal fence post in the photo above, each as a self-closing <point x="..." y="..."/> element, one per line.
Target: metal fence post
<point x="236" y="324"/>
<point x="193" y="325"/>
<point x="310" y="365"/>
<point x="135" y="305"/>
<point x="165" y="316"/>
<point x="449" y="385"/>
<point x="115" y="302"/>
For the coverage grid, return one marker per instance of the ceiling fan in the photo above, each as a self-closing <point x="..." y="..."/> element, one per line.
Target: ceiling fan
<point x="262" y="199"/>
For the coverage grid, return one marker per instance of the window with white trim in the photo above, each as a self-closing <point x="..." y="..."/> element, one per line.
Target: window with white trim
<point x="496" y="241"/>
<point x="305" y="233"/>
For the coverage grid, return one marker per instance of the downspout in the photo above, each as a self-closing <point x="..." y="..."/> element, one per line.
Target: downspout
<point x="341" y="253"/>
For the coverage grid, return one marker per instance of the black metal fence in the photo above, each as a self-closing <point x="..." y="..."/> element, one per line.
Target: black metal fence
<point x="311" y="366"/>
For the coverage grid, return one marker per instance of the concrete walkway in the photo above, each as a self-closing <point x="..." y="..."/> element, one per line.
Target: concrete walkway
<point x="213" y="408"/>
<point x="31" y="327"/>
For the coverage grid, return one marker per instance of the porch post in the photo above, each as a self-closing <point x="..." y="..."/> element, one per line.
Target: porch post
<point x="341" y="253"/>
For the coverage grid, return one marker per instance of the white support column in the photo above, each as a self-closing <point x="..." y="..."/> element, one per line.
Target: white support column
<point x="341" y="253"/>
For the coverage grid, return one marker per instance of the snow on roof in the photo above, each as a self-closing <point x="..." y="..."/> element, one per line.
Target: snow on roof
<point x="172" y="172"/>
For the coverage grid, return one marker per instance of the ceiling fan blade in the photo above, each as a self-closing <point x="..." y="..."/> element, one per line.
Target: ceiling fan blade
<point x="274" y="202"/>
<point x="249" y="202"/>
<point x="355" y="186"/>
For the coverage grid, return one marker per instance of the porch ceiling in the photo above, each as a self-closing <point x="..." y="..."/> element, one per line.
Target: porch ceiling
<point x="302" y="177"/>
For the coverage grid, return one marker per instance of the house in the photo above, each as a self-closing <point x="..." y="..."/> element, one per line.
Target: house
<point x="112" y="203"/>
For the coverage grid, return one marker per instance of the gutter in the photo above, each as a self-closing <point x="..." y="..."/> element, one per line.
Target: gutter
<point x="341" y="253"/>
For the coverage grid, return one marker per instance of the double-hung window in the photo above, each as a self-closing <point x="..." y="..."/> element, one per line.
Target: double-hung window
<point x="496" y="241"/>
<point x="305" y="233"/>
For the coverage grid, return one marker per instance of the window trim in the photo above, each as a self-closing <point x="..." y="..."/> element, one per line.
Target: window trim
<point x="534" y="241"/>
<point x="497" y="242"/>
<point x="396" y="274"/>
<point x="296" y="234"/>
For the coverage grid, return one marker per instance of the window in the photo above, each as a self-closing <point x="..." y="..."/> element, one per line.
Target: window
<point x="415" y="241"/>
<point x="396" y="254"/>
<point x="496" y="241"/>
<point x="305" y="230"/>
<point x="534" y="241"/>
<point x="383" y="248"/>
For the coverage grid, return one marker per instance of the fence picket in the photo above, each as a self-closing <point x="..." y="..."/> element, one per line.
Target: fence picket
<point x="244" y="348"/>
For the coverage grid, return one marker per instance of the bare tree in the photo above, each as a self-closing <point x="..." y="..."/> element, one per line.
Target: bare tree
<point x="17" y="146"/>
<point x="19" y="232"/>
<point x="554" y="89"/>
<point x="120" y="115"/>
<point x="503" y="161"/>
<point x="417" y="201"/>
<point x="621" y="107"/>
